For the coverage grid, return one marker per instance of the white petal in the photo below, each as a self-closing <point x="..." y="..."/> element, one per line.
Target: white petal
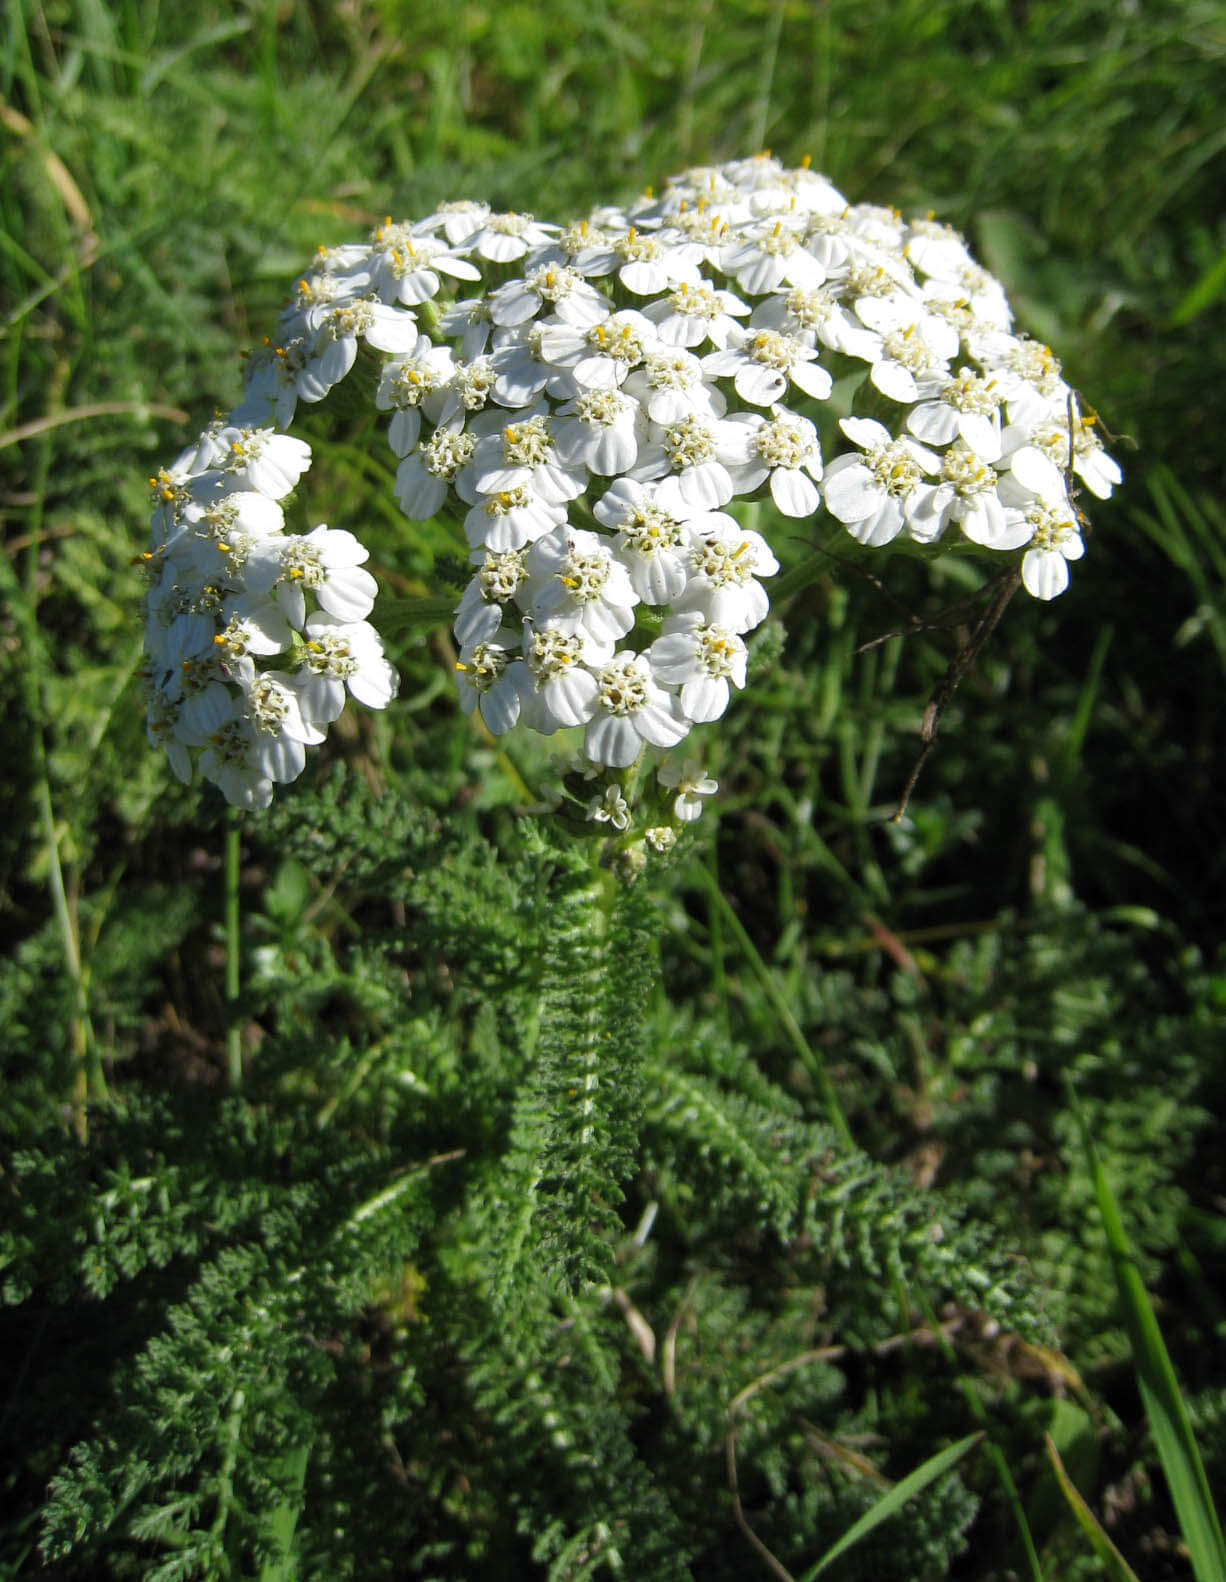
<point x="705" y="699"/>
<point x="611" y="739"/>
<point x="1044" y="573"/>
<point x="795" y="494"/>
<point x="348" y="593"/>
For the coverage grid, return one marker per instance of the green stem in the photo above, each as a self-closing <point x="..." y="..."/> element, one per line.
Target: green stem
<point x="90" y="1079"/>
<point x="234" y="1035"/>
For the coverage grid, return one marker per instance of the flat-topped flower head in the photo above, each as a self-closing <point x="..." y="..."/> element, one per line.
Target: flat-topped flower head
<point x="620" y="415"/>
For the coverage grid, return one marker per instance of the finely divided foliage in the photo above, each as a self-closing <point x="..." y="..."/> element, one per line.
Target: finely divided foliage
<point x="592" y="405"/>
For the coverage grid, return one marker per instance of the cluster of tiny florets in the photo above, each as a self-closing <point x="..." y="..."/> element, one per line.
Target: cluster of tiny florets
<point x="591" y="405"/>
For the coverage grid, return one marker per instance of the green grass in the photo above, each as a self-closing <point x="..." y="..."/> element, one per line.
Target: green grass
<point x="266" y="1378"/>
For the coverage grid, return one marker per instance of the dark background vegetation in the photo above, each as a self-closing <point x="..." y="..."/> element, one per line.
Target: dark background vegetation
<point x="1051" y="906"/>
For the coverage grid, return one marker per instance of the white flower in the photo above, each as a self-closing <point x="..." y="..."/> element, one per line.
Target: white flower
<point x="252" y="624"/>
<point x="423" y="376"/>
<point x="224" y="532"/>
<point x="460" y="221"/>
<point x="489" y="681"/>
<point x="523" y="368"/>
<point x="968" y="408"/>
<point x="471" y="320"/>
<point x="577" y="585"/>
<point x="1055" y="541"/>
<point x="1039" y="514"/>
<point x="522" y="455"/>
<point x="1071" y="436"/>
<point x="327" y="560"/>
<point x="695" y="453"/>
<point x="651" y="543"/>
<point x="338" y="655"/>
<point x="338" y="329"/>
<point x="873" y="495"/>
<point x="599" y="431"/>
<point x="725" y="562"/>
<point x="632" y="709"/>
<point x="690" y="784"/>
<point x="696" y="312"/>
<point x="701" y="659"/>
<point x="821" y="313"/>
<point x="499" y="580"/>
<point x="599" y="356"/>
<point x="263" y="741"/>
<point x="510" y="519"/>
<point x="673" y="384"/>
<point x="229" y="761"/>
<point x="405" y="265"/>
<point x="645" y="263"/>
<point x="564" y="290"/>
<point x="916" y="347"/>
<point x="771" y="255"/>
<point x="786" y="450"/>
<point x="563" y="690"/>
<point x="611" y="808"/>
<point x="502" y="238"/>
<point x="423" y="478"/>
<point x="661" y="838"/>
<point x="762" y="361"/>
<point x="965" y="493"/>
<point x="260" y="459"/>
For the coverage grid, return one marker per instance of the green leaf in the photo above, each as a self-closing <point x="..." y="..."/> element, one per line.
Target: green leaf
<point x="894" y="1499"/>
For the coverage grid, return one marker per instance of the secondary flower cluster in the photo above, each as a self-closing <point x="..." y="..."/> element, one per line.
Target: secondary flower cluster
<point x="595" y="406"/>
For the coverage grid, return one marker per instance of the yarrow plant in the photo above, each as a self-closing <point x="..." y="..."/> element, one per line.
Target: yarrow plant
<point x="596" y="407"/>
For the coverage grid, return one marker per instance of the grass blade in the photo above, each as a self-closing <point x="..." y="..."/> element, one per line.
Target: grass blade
<point x="894" y="1499"/>
<point x="1116" y="1566"/>
<point x="1164" y="1404"/>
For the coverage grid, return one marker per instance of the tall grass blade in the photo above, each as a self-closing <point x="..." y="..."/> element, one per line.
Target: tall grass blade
<point x="1116" y="1566"/>
<point x="893" y="1500"/>
<point x="1164" y="1404"/>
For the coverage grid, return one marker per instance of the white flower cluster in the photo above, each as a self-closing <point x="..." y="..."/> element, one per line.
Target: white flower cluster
<point x="592" y="417"/>
<point x="234" y="663"/>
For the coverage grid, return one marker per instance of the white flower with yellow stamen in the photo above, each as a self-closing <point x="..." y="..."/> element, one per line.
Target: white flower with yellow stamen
<point x="327" y="561"/>
<point x="632" y="711"/>
<point x="490" y="679"/>
<point x="725" y="562"/>
<point x="340" y="656"/>
<point x="577" y="586"/>
<point x="702" y="659"/>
